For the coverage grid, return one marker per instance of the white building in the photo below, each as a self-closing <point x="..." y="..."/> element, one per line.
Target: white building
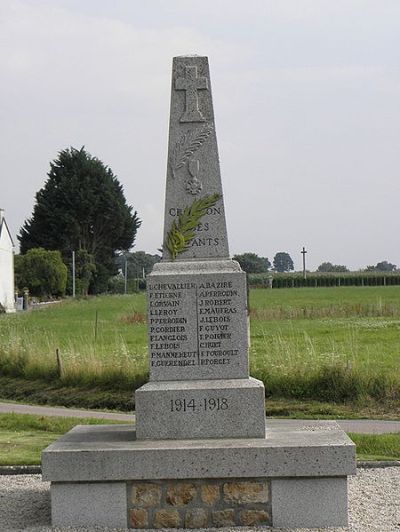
<point x="6" y="266"/>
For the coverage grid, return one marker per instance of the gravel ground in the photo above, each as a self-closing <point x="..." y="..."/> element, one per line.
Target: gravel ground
<point x="374" y="501"/>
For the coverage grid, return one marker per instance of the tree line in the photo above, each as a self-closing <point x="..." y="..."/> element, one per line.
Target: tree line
<point x="81" y="212"/>
<point x="283" y="263"/>
<point x="252" y="263"/>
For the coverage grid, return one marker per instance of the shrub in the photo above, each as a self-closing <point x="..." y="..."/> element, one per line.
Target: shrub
<point x="42" y="272"/>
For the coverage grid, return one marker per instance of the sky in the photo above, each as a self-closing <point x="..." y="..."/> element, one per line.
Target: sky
<point x="306" y="100"/>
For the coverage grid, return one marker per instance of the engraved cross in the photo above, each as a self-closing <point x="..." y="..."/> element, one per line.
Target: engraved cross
<point x="191" y="84"/>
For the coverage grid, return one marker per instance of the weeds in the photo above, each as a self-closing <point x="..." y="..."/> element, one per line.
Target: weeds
<point x="119" y="369"/>
<point x="96" y="346"/>
<point x="134" y="317"/>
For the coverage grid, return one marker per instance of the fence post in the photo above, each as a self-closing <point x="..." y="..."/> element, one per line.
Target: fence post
<point x="59" y="363"/>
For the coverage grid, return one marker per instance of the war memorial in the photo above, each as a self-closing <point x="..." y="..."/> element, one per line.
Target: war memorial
<point x="200" y="453"/>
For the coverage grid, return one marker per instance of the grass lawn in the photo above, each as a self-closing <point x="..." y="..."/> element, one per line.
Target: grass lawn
<point x="100" y="338"/>
<point x="96" y="326"/>
<point x="351" y="325"/>
<point x="329" y="344"/>
<point x="339" y="298"/>
<point x="23" y="436"/>
<point x="339" y="344"/>
<point x="377" y="446"/>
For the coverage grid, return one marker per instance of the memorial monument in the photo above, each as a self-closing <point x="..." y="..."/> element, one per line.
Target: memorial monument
<point x="200" y="454"/>
<point x="197" y="304"/>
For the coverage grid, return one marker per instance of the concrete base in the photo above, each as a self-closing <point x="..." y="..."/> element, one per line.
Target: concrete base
<point x="88" y="504"/>
<point x="232" y="408"/>
<point x="291" y="502"/>
<point x="304" y="466"/>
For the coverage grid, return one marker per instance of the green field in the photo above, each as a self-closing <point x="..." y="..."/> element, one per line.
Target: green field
<point x="332" y="344"/>
<point x="24" y="436"/>
<point x="326" y="344"/>
<point x="100" y="340"/>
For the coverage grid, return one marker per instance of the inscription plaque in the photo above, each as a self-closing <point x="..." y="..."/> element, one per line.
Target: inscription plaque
<point x="197" y="324"/>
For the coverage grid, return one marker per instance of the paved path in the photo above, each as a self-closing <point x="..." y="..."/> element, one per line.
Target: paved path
<point x="362" y="426"/>
<point x="369" y="426"/>
<point x="61" y="411"/>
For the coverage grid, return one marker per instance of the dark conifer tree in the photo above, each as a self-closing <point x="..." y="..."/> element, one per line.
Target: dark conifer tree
<point x="82" y="207"/>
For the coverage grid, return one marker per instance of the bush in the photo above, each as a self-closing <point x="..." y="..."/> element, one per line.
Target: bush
<point x="252" y="263"/>
<point x="42" y="272"/>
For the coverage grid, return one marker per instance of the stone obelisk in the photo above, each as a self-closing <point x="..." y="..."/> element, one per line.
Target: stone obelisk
<point x="197" y="304"/>
<point x="193" y="172"/>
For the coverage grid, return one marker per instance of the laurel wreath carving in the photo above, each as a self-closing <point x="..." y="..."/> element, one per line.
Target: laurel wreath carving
<point x="182" y="231"/>
<point x="187" y="145"/>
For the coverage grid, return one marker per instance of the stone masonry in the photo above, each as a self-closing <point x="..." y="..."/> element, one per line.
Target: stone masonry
<point x="199" y="503"/>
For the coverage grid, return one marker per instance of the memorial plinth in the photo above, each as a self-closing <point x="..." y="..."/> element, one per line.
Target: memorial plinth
<point x="198" y="341"/>
<point x="201" y="454"/>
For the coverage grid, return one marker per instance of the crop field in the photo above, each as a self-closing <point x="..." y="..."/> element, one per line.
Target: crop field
<point x="339" y="344"/>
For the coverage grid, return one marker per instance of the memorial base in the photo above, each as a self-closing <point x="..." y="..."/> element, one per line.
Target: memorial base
<point x="294" y="477"/>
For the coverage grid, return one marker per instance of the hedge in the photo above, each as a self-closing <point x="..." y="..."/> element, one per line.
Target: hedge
<point x="316" y="280"/>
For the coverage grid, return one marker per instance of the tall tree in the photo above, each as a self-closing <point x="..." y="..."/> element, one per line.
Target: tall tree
<point x="252" y="263"/>
<point x="329" y="267"/>
<point x="82" y="207"/>
<point x="283" y="262"/>
<point x="385" y="266"/>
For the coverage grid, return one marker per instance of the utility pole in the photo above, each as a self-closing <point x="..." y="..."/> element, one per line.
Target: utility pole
<point x="303" y="252"/>
<point x="73" y="274"/>
<point x="126" y="275"/>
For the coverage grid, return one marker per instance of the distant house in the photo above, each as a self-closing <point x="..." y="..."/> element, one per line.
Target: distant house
<point x="6" y="266"/>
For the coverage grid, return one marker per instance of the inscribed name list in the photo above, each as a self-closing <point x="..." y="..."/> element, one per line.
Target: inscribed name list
<point x="198" y="326"/>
